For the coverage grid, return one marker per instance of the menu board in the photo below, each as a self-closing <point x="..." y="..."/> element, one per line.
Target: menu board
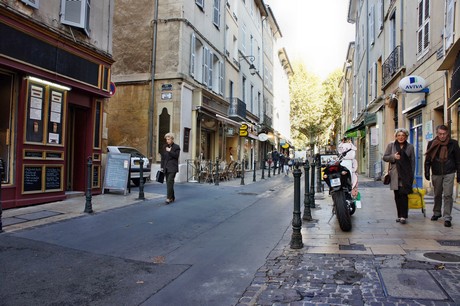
<point x="53" y="178"/>
<point x="32" y="178"/>
<point x="96" y="176"/>
<point x="117" y="171"/>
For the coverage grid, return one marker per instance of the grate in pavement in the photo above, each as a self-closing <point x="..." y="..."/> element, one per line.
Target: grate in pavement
<point x="449" y="242"/>
<point x="411" y="284"/>
<point x="352" y="247"/>
<point x="442" y="256"/>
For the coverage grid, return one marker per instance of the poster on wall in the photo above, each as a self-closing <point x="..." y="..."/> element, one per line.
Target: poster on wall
<point x="55" y="117"/>
<point x="34" y="120"/>
<point x="429" y="130"/>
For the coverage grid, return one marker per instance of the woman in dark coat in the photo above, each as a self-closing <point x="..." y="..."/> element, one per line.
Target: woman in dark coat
<point x="170" y="165"/>
<point x="401" y="156"/>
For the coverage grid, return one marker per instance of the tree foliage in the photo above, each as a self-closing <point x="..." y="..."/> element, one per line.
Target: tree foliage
<point x="315" y="107"/>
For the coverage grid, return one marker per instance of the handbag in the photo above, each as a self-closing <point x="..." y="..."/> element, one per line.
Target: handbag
<point x="387" y="179"/>
<point x="160" y="177"/>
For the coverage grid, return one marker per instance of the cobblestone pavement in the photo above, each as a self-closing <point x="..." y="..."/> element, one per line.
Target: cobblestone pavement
<point x="380" y="262"/>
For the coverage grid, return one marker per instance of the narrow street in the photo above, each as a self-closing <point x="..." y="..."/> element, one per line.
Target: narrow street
<point x="229" y="245"/>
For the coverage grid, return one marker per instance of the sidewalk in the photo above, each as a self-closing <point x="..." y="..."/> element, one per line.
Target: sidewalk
<point x="26" y="217"/>
<point x="380" y="262"/>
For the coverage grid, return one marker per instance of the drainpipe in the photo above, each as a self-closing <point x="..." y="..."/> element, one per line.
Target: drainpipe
<point x="152" y="79"/>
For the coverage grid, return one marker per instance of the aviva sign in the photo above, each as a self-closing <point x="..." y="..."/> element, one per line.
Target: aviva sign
<point x="412" y="83"/>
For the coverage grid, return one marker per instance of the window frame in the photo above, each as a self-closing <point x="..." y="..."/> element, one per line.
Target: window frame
<point x="83" y="14"/>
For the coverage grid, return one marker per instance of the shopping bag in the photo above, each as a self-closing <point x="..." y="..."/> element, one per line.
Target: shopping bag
<point x="160" y="176"/>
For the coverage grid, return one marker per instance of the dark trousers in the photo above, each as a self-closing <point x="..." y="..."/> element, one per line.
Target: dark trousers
<point x="170" y="184"/>
<point x="402" y="204"/>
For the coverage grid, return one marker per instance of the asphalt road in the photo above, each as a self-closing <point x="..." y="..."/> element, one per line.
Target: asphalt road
<point x="203" y="249"/>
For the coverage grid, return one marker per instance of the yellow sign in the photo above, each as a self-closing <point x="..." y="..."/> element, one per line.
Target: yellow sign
<point x="243" y="133"/>
<point x="244" y="130"/>
<point x="285" y="146"/>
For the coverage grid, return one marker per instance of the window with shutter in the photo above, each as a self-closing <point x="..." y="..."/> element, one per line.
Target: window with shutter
<point x="205" y="66"/>
<point x="76" y="13"/>
<point x="210" y="67"/>
<point x="221" y="77"/>
<point x="380" y="15"/>
<point x="371" y="25"/>
<point x="423" y="32"/>
<point x="192" y="55"/>
<point x="32" y="3"/>
<point x="216" y="17"/>
<point x="200" y="3"/>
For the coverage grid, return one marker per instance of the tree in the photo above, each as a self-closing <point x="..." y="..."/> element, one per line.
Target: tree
<point x="332" y="111"/>
<point x="306" y="106"/>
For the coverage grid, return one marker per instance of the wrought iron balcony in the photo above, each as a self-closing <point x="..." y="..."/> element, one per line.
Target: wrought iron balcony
<point x="392" y="65"/>
<point x="237" y="109"/>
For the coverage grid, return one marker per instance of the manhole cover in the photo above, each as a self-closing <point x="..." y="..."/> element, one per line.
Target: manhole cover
<point x="444" y="257"/>
<point x="449" y="242"/>
<point x="352" y="247"/>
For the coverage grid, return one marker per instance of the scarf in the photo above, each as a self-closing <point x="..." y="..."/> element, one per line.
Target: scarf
<point x="435" y="146"/>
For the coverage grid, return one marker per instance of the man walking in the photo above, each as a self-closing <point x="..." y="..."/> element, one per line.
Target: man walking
<point x="443" y="158"/>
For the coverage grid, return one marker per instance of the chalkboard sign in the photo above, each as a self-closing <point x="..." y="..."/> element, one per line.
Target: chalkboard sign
<point x="117" y="171"/>
<point x="33" y="154"/>
<point x="53" y="178"/>
<point x="54" y="155"/>
<point x="32" y="179"/>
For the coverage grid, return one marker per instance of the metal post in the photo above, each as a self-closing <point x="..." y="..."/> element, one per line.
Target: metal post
<point x="263" y="169"/>
<point x="141" y="179"/>
<point x="242" y="173"/>
<point x="319" y="185"/>
<point x="1" y="179"/>
<point x="279" y="167"/>
<point x="296" y="238"/>
<point x="274" y="167"/>
<point x="88" y="205"/>
<point x="254" y="174"/>
<point x="210" y="169"/>
<point x="312" y="187"/>
<point x="269" y="164"/>
<point x="216" y="178"/>
<point x="306" y="201"/>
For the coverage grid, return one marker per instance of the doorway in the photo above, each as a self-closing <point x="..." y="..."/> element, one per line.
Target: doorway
<point x="6" y="98"/>
<point x="76" y="140"/>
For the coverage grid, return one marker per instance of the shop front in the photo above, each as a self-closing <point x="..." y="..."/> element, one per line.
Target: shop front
<point x="52" y="101"/>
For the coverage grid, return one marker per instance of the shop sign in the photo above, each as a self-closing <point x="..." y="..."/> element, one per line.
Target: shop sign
<point x="166" y="87"/>
<point x="263" y="137"/>
<point x="244" y="130"/>
<point x="412" y="83"/>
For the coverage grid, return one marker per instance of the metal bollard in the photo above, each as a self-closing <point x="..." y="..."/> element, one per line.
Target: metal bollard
<point x="279" y="168"/>
<point x="1" y="178"/>
<point x="141" y="179"/>
<point x="274" y="167"/>
<point x="306" y="201"/>
<point x="263" y="169"/>
<point x="312" y="187"/>
<point x="210" y="169"/>
<point x="216" y="178"/>
<point x="242" y="173"/>
<point x="88" y="205"/>
<point x="319" y="185"/>
<point x="254" y="174"/>
<point x="296" y="238"/>
<point x="269" y="164"/>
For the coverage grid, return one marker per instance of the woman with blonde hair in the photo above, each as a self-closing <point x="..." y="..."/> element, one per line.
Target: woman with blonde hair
<point x="170" y="165"/>
<point x="401" y="156"/>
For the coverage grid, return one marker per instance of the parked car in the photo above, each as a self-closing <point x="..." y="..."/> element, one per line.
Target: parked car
<point x="135" y="158"/>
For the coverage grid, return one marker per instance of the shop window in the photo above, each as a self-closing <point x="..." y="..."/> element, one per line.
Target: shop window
<point x="6" y="97"/>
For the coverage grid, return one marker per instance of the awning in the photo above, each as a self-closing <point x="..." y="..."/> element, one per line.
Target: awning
<point x="355" y="128"/>
<point x="227" y="120"/>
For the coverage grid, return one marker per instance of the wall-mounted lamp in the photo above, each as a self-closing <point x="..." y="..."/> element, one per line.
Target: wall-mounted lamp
<point x="252" y="68"/>
<point x="44" y="82"/>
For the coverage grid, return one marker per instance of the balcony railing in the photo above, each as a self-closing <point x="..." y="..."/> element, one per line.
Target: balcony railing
<point x="237" y="109"/>
<point x="392" y="65"/>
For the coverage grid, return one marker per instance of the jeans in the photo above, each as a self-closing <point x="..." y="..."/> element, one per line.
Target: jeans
<point x="443" y="184"/>
<point x="170" y="176"/>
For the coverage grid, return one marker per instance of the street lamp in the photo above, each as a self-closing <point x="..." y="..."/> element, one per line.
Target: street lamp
<point x="252" y="68"/>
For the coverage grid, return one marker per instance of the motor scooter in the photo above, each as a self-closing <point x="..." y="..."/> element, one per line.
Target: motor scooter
<point x="339" y="179"/>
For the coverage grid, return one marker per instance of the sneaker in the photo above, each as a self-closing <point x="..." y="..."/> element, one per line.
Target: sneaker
<point x="435" y="218"/>
<point x="402" y="221"/>
<point x="447" y="223"/>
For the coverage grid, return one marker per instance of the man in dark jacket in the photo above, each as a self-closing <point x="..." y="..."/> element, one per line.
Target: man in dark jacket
<point x="443" y="158"/>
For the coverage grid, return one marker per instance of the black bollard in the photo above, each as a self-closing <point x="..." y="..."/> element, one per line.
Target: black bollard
<point x="1" y="179"/>
<point x="306" y="201"/>
<point x="312" y="187"/>
<point x="141" y="179"/>
<point x="242" y="173"/>
<point x="210" y="169"/>
<point x="275" y="163"/>
<point x="319" y="184"/>
<point x="279" y="168"/>
<point x="88" y="205"/>
<point x="216" y="178"/>
<point x="269" y="164"/>
<point x="296" y="238"/>
<point x="254" y="174"/>
<point x="263" y="169"/>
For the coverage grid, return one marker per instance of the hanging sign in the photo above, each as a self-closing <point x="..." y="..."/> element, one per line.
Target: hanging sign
<point x="412" y="83"/>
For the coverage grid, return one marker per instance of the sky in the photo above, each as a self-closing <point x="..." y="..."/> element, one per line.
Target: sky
<point x="315" y="32"/>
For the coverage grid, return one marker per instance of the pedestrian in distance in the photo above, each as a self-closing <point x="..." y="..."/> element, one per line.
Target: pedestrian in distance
<point x="400" y="155"/>
<point x="275" y="158"/>
<point x="170" y="165"/>
<point x="442" y="157"/>
<point x="287" y="164"/>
